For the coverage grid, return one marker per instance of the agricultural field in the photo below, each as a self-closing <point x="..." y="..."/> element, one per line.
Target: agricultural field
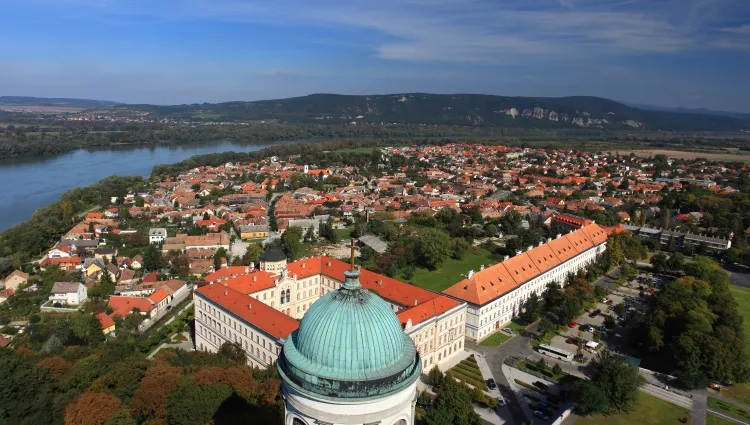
<point x="206" y="116"/>
<point x="726" y="155"/>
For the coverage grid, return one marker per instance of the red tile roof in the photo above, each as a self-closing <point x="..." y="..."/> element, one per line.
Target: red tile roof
<point x="123" y="306"/>
<point x="158" y="296"/>
<point x="250" y="310"/>
<point x="494" y="281"/>
<point x="427" y="310"/>
<point x="105" y="321"/>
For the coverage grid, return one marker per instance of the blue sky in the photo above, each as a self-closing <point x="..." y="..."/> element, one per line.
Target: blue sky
<point x="691" y="53"/>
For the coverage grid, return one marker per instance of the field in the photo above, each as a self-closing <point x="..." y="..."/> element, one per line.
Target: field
<point x="728" y="409"/>
<point x="496" y="339"/>
<point x="718" y="156"/>
<point x="206" y="116"/>
<point x="344" y="233"/>
<point x="451" y="272"/>
<point x="649" y="410"/>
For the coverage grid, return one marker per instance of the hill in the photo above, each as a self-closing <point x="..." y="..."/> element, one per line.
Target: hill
<point x="44" y="102"/>
<point x="683" y="110"/>
<point x="458" y="109"/>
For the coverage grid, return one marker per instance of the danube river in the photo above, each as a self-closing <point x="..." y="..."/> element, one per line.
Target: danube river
<point x="27" y="184"/>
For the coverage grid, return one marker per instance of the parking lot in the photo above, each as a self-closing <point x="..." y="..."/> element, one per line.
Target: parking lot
<point x="589" y="327"/>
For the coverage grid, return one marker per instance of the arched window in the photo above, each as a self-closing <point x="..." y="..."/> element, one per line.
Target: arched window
<point x="298" y="421"/>
<point x="400" y="422"/>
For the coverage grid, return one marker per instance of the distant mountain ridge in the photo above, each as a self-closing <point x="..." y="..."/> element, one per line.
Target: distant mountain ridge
<point x="423" y="108"/>
<point x="46" y="101"/>
<point x="447" y="109"/>
<point x="682" y="110"/>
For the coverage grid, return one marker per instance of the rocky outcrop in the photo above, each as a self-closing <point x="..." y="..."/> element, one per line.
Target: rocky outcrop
<point x="581" y="119"/>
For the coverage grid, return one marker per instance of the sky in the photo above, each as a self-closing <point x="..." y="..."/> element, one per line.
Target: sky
<point x="687" y="53"/>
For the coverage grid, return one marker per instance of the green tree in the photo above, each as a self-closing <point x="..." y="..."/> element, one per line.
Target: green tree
<point x="659" y="262"/>
<point x="532" y="309"/>
<point x="433" y="248"/>
<point x="233" y="351"/>
<point x="195" y="404"/>
<point x="152" y="258"/>
<point x="291" y="242"/>
<point x="435" y="377"/>
<point x="589" y="398"/>
<point x="618" y="380"/>
<point x="452" y="406"/>
<point x="511" y="222"/>
<point x="220" y="253"/>
<point x="252" y="254"/>
<point x="121" y="417"/>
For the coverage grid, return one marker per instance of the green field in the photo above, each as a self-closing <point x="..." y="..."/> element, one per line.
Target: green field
<point x="715" y="420"/>
<point x="496" y="339"/>
<point x="345" y="233"/>
<point x="205" y="116"/>
<point x="649" y="410"/>
<point x="728" y="409"/>
<point x="451" y="272"/>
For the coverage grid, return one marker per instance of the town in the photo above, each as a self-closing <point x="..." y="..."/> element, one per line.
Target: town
<point x="536" y="279"/>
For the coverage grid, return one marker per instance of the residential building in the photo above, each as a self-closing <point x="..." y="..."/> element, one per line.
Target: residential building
<point x="157" y="235"/>
<point x="253" y="231"/>
<point x="16" y="280"/>
<point x="70" y="293"/>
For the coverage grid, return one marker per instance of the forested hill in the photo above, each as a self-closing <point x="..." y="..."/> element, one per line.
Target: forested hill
<point x="459" y="109"/>
<point x="60" y="102"/>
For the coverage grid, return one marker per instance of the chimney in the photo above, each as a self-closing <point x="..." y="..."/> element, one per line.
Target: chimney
<point x="249" y="306"/>
<point x="549" y="240"/>
<point x="379" y="282"/>
<point x="518" y="252"/>
<point x="415" y="302"/>
<point x="255" y="278"/>
<point x="506" y="258"/>
<point x="252" y="265"/>
<point x="529" y="248"/>
<point x="558" y="236"/>
<point x="304" y="265"/>
<point x="226" y="292"/>
<point x="247" y="270"/>
<point x="471" y="274"/>
<point x="481" y="267"/>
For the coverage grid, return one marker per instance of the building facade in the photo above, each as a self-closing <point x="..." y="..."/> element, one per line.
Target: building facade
<point x="284" y="292"/>
<point x="495" y="295"/>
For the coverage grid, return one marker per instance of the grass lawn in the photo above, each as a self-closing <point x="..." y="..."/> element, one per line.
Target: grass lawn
<point x="495" y="339"/>
<point x="715" y="420"/>
<point x="345" y="233"/>
<point x="728" y="409"/>
<point x="742" y="295"/>
<point x="739" y="392"/>
<point x="206" y="116"/>
<point x="451" y="271"/>
<point x="649" y="410"/>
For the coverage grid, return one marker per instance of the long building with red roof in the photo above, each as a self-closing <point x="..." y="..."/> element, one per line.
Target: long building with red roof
<point x="258" y="308"/>
<point x="494" y="295"/>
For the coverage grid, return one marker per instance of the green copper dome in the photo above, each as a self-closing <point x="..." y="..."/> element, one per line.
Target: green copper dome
<point x="350" y="345"/>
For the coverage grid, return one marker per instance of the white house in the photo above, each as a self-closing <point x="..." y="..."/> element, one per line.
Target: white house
<point x="70" y="293"/>
<point x="157" y="235"/>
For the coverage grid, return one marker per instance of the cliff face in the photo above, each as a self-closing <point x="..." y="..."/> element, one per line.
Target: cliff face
<point x="582" y="120"/>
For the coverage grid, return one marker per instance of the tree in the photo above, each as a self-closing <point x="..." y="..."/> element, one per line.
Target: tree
<point x="452" y="406"/>
<point x="435" y="377"/>
<point x="618" y="380"/>
<point x="659" y="262"/>
<point x="252" y="254"/>
<point x="511" y="222"/>
<point x="589" y="398"/>
<point x="557" y="370"/>
<point x="460" y="246"/>
<point x="220" y="253"/>
<point x="433" y="248"/>
<point x="152" y="258"/>
<point x="121" y="417"/>
<point x="180" y="265"/>
<point x="193" y="404"/>
<point x="676" y="262"/>
<point x="233" y="351"/>
<point x="533" y="308"/>
<point x="92" y="409"/>
<point x="291" y="242"/>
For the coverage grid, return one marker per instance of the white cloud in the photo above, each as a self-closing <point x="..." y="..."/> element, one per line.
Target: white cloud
<point x="493" y="31"/>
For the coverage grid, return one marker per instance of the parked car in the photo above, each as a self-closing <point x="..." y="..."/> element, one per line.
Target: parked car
<point x="540" y="385"/>
<point x="571" y="341"/>
<point x="508" y="331"/>
<point x="541" y="415"/>
<point x="491" y="384"/>
<point x="716" y="387"/>
<point x="595" y="312"/>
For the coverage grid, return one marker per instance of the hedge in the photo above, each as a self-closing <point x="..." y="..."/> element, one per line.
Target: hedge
<point x="469" y="380"/>
<point x="469" y="372"/>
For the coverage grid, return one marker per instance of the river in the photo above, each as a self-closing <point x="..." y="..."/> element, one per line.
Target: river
<point x="27" y="184"/>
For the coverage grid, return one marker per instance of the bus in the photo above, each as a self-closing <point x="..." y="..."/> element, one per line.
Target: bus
<point x="555" y="352"/>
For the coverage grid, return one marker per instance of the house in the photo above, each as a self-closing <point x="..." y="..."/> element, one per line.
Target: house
<point x="67" y="264"/>
<point x="105" y="253"/>
<point x="253" y="231"/>
<point x="16" y="280"/>
<point x="106" y="323"/>
<point x="137" y="262"/>
<point x="111" y="213"/>
<point x="92" y="266"/>
<point x="70" y="293"/>
<point x="127" y="278"/>
<point x="212" y="225"/>
<point x="157" y="235"/>
<point x="125" y="306"/>
<point x="5" y="294"/>
<point x="61" y="251"/>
